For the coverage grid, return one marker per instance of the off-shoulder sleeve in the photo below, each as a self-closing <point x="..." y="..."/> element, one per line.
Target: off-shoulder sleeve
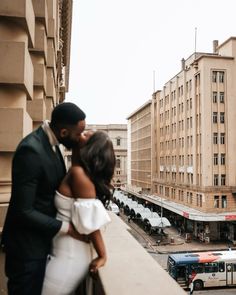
<point x="89" y="215"/>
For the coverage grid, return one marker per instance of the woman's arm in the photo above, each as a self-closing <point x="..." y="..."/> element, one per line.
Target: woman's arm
<point x="99" y="246"/>
<point x="83" y="187"/>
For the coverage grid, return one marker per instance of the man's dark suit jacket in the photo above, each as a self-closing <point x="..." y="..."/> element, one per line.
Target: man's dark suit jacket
<point x="30" y="224"/>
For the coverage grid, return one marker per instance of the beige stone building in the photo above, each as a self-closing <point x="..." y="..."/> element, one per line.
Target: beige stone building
<point x="35" y="40"/>
<point x="118" y="135"/>
<point x="193" y="145"/>
<point x="140" y="137"/>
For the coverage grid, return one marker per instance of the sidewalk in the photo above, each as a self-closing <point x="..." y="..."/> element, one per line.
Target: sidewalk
<point x="174" y="243"/>
<point x="180" y="245"/>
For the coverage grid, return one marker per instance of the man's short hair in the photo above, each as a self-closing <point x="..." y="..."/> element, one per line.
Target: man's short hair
<point x="67" y="113"/>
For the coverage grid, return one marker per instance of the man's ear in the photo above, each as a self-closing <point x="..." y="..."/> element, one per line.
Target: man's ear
<point x="64" y="133"/>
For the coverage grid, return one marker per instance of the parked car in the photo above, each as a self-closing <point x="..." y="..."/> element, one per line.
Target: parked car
<point x="114" y="208"/>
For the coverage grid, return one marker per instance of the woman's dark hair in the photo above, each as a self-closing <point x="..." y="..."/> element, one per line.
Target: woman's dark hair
<point x="97" y="158"/>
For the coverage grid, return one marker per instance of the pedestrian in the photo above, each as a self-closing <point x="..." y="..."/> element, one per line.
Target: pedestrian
<point x="191" y="289"/>
<point x="37" y="170"/>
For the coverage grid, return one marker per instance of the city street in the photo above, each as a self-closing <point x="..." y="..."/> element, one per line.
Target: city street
<point x="150" y="244"/>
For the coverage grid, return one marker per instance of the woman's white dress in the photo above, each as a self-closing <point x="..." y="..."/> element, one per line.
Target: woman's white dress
<point x="69" y="262"/>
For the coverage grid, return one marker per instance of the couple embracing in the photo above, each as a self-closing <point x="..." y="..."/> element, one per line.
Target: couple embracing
<point x="54" y="216"/>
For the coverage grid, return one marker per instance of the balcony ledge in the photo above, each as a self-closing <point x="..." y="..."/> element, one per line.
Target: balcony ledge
<point x="130" y="269"/>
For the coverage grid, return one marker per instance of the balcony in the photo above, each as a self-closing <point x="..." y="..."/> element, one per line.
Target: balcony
<point x="22" y="12"/>
<point x="181" y="169"/>
<point x="190" y="169"/>
<point x="129" y="269"/>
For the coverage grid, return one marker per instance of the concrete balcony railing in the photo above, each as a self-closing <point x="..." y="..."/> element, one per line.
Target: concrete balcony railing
<point x="130" y="269"/>
<point x="23" y="13"/>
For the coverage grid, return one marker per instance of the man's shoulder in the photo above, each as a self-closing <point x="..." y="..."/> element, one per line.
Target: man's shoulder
<point x="34" y="140"/>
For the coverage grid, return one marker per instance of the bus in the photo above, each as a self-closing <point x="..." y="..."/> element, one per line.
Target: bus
<point x="203" y="269"/>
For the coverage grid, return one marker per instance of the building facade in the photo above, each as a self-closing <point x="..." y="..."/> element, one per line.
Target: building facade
<point x="35" y="38"/>
<point x="193" y="158"/>
<point x="118" y="135"/>
<point x="140" y="155"/>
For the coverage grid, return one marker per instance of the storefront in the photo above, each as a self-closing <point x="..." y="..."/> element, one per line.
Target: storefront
<point x="200" y="225"/>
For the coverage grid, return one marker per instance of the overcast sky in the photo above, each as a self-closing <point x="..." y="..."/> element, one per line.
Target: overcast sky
<point x="118" y="44"/>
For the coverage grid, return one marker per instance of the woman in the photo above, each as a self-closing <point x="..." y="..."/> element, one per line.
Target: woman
<point x="81" y="197"/>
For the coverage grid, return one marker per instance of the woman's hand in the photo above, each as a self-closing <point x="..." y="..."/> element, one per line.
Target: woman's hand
<point x="96" y="264"/>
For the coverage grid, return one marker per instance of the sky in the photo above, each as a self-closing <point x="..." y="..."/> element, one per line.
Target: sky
<point x="123" y="50"/>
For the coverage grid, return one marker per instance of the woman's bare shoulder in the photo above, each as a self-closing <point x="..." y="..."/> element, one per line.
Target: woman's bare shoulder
<point x="77" y="171"/>
<point x="81" y="184"/>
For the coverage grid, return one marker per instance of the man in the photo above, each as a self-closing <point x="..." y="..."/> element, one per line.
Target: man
<point x="30" y="225"/>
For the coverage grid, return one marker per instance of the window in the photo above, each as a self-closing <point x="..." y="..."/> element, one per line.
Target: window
<point x="216" y="179"/>
<point x="222" y="159"/>
<point x="222" y="138"/>
<point x="118" y="140"/>
<point x="215" y="138"/>
<point x="222" y="117"/>
<point x="214" y="76"/>
<point x="214" y="117"/>
<point x="214" y="97"/>
<point x="216" y="202"/>
<point x="200" y="200"/>
<point x="211" y="267"/>
<point x="224" y="201"/>
<point x="191" y="198"/>
<point x="198" y="268"/>
<point x="221" y="77"/>
<point x="222" y="97"/>
<point x="215" y="159"/>
<point x="223" y="179"/>
<point x="117" y="163"/>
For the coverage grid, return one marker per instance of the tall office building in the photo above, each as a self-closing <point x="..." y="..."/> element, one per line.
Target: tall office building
<point x="140" y="147"/>
<point x="35" y="40"/>
<point x="193" y="145"/>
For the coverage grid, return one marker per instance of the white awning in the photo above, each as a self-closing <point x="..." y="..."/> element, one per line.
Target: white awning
<point x="159" y="222"/>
